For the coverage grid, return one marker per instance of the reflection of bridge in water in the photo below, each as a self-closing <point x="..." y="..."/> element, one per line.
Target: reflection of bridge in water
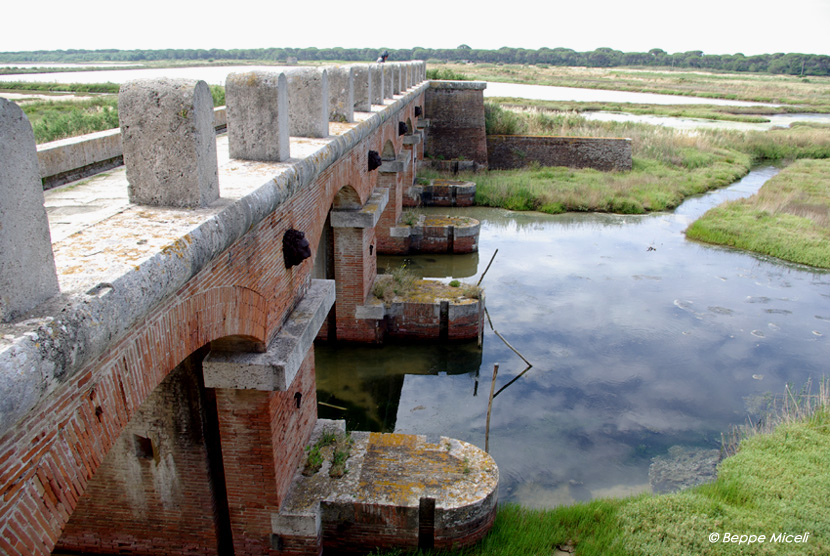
<point x="365" y="383"/>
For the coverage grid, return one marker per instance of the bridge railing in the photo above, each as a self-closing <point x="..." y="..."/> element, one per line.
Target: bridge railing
<point x="169" y="146"/>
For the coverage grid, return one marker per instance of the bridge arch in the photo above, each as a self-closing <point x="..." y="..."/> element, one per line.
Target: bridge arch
<point x="346" y="198"/>
<point x="388" y="151"/>
<point x="174" y="338"/>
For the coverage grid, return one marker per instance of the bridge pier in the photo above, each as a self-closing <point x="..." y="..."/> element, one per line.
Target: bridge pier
<point x="392" y="175"/>
<point x="267" y="407"/>
<point x="355" y="269"/>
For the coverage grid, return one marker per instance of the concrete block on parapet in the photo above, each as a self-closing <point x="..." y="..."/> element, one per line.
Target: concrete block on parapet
<point x="308" y="102"/>
<point x="376" y="83"/>
<point x="27" y="265"/>
<point x="257" y="112"/>
<point x="419" y="71"/>
<point x="388" y="74"/>
<point x="341" y="93"/>
<point x="396" y="78"/>
<point x="169" y="142"/>
<point x="362" y="88"/>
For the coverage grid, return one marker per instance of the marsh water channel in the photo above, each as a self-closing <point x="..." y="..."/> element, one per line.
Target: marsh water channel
<point x="640" y="341"/>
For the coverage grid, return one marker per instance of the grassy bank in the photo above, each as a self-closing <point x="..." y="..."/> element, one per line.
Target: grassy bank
<point x="668" y="165"/>
<point x="52" y="120"/>
<point x="743" y="114"/>
<point x="789" y="218"/>
<point x="777" y="483"/>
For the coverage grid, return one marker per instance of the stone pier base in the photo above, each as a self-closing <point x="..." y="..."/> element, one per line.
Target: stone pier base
<point x="397" y="491"/>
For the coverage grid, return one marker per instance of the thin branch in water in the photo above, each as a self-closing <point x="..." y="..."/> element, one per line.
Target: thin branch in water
<point x="488" y="268"/>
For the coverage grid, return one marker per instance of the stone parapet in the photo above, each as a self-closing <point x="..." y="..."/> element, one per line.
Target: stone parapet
<point x="169" y="142"/>
<point x="75" y="158"/>
<point x="308" y="102"/>
<point x="341" y="81"/>
<point x="257" y="106"/>
<point x="100" y="303"/>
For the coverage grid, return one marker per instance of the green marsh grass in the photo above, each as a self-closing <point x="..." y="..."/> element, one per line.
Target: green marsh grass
<point x="789" y="218"/>
<point x="59" y="119"/>
<point x="777" y="89"/>
<point x="55" y="119"/>
<point x="668" y="166"/>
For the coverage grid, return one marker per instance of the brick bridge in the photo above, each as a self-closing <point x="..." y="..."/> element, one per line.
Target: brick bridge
<point x="157" y="384"/>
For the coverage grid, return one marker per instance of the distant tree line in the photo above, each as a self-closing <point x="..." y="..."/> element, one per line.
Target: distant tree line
<point x="778" y="63"/>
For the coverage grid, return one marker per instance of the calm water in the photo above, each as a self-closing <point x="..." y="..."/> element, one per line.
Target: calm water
<point x="545" y="92"/>
<point x="775" y="120"/>
<point x="640" y="341"/>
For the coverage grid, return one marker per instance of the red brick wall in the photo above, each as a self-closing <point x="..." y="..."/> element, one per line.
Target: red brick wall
<point x="419" y="321"/>
<point x="517" y="151"/>
<point x="263" y="435"/>
<point x="157" y="501"/>
<point x="456" y="124"/>
<point x="358" y="528"/>
<point x="49" y="457"/>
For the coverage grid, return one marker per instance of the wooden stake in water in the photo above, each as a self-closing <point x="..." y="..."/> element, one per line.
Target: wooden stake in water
<point x="490" y="408"/>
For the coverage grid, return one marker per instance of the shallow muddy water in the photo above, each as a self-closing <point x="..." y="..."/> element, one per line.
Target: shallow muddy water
<point x="640" y="341"/>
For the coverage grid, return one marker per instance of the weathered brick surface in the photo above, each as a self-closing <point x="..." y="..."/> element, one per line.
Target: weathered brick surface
<point x="263" y="435"/>
<point x="517" y="151"/>
<point x="356" y="528"/>
<point x="48" y="458"/>
<point x="156" y="498"/>
<point x="424" y="321"/>
<point x="456" y="121"/>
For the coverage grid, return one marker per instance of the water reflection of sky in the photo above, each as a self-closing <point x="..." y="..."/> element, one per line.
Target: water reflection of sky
<point x="640" y="340"/>
<point x="774" y="120"/>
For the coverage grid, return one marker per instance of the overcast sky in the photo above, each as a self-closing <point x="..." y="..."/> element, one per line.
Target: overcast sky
<point x="713" y="26"/>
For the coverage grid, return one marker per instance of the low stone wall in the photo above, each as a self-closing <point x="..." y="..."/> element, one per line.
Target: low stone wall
<point x="506" y="152"/>
<point x="441" y="193"/>
<point x="75" y="158"/>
